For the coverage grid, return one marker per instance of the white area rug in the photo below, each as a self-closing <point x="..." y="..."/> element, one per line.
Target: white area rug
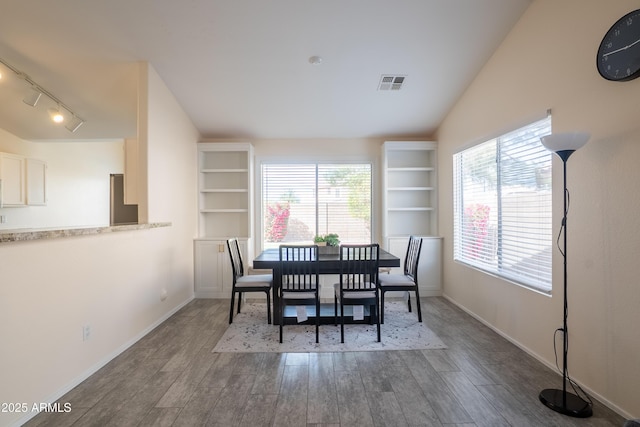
<point x="250" y="333"/>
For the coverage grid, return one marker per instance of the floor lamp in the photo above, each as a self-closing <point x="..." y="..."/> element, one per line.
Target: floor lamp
<point x="564" y="144"/>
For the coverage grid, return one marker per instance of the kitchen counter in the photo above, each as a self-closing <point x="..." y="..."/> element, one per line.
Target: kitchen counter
<point x="24" y="234"/>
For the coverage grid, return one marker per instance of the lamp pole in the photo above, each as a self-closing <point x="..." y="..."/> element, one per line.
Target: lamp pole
<point x="563" y="401"/>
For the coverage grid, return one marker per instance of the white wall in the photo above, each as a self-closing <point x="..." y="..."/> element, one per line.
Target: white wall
<point x="77" y="182"/>
<point x="548" y="61"/>
<point x="49" y="289"/>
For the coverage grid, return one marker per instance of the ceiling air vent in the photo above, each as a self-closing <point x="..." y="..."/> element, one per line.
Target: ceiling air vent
<point x="391" y="82"/>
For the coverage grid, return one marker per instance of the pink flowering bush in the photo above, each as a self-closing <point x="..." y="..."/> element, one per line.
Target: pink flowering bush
<point x="476" y="223"/>
<point x="277" y="221"/>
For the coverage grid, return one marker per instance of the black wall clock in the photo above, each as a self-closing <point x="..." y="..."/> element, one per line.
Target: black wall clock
<point x="619" y="52"/>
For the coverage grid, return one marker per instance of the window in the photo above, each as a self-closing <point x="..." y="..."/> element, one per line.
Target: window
<point x="300" y="201"/>
<point x="502" y="207"/>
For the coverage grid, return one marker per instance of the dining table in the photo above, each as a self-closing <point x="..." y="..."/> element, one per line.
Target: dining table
<point x="329" y="263"/>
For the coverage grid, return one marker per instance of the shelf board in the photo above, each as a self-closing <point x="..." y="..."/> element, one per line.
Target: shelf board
<point x="224" y="170"/>
<point x="406" y="235"/>
<point x="410" y="189"/>
<point x="224" y="190"/>
<point x="414" y="209"/>
<point x="218" y="238"/>
<point x="232" y="210"/>
<point x="411" y="169"/>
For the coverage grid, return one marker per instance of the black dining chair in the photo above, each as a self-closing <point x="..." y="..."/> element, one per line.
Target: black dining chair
<point x="408" y="281"/>
<point x="358" y="283"/>
<point x="246" y="283"/>
<point x="299" y="280"/>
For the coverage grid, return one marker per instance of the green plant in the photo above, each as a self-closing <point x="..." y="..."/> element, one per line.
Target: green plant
<point x="331" y="239"/>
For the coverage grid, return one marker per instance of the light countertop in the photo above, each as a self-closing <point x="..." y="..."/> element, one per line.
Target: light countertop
<point x="24" y="234"/>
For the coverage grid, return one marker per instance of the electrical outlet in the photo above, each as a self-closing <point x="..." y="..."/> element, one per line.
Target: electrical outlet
<point x="3" y="219"/>
<point x="86" y="332"/>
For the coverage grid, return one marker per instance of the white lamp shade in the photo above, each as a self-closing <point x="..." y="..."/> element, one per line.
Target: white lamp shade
<point x="569" y="141"/>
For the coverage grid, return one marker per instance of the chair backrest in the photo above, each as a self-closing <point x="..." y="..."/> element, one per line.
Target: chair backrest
<point x="359" y="267"/>
<point x="299" y="268"/>
<point x="412" y="258"/>
<point x="236" y="258"/>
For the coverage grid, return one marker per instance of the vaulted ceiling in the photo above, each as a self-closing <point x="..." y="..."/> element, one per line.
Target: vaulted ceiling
<point x="241" y="68"/>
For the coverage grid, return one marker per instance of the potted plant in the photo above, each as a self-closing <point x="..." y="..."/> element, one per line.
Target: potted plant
<point x="327" y="243"/>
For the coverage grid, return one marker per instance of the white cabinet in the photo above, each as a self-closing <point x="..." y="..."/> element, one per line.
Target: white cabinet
<point x="225" y="209"/>
<point x="410" y="196"/>
<point x="12" y="180"/>
<point x="36" y="182"/>
<point x="213" y="273"/>
<point x="211" y="269"/>
<point x="22" y="181"/>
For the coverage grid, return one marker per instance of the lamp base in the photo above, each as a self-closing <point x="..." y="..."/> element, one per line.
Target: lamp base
<point x="570" y="405"/>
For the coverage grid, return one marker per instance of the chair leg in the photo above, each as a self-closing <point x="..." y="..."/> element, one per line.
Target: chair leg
<point x="409" y="300"/>
<point x="269" y="307"/>
<point x="233" y="297"/>
<point x="341" y="321"/>
<point x="377" y="321"/>
<point x="317" y="319"/>
<point x="382" y="307"/>
<point x="281" y="318"/>
<point x="239" y="301"/>
<point x="335" y="310"/>
<point x="418" y="305"/>
<point x="371" y="318"/>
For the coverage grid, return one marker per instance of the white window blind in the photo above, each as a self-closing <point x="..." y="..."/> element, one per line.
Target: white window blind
<point x="502" y="206"/>
<point x="300" y="201"/>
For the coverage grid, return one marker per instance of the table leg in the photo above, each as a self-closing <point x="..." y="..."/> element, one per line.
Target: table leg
<point x="276" y="297"/>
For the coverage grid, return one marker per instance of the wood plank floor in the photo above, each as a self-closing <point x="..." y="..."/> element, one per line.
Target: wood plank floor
<point x="171" y="378"/>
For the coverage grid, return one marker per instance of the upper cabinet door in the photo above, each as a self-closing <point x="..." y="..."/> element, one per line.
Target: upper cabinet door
<point x="12" y="177"/>
<point x="36" y="182"/>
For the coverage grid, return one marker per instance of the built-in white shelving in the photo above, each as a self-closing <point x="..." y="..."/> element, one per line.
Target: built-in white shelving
<point x="409" y="188"/>
<point x="224" y="188"/>
<point x="410" y="196"/>
<point x="225" y="209"/>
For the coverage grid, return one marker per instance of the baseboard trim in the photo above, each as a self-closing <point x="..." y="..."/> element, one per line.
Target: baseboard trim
<point x="93" y="369"/>
<point x="539" y="358"/>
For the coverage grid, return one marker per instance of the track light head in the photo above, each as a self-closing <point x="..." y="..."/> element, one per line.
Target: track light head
<point x="32" y="97"/>
<point x="56" y="115"/>
<point x="73" y="124"/>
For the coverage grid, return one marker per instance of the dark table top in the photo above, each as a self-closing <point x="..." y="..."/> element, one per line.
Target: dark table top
<point x="329" y="263"/>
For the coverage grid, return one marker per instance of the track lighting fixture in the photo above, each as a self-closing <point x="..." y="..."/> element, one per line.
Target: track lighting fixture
<point x="56" y="115"/>
<point x="73" y="124"/>
<point x="32" y="97"/>
<point x="36" y="91"/>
